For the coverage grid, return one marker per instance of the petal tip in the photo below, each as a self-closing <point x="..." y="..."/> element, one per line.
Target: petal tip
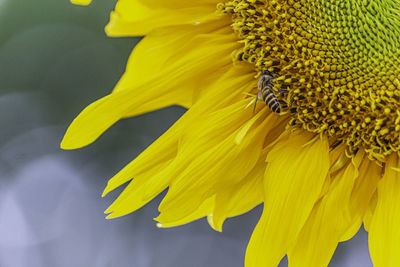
<point x="81" y="2"/>
<point x="112" y="215"/>
<point x="106" y="190"/>
<point x="66" y="144"/>
<point x="214" y="225"/>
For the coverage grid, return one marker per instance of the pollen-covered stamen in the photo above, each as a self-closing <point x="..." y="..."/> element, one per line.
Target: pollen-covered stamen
<point x="336" y="64"/>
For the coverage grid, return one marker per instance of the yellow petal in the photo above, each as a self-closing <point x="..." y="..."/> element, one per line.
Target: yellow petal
<point x="336" y="156"/>
<point x="239" y="198"/>
<point x="363" y="191"/>
<point x="224" y="162"/>
<point x="162" y="150"/>
<point x="99" y="116"/>
<point x="328" y="221"/>
<point x="132" y="198"/>
<point x="205" y="209"/>
<point x="158" y="56"/>
<point x="384" y="232"/>
<point x="171" y="4"/>
<point x="137" y="18"/>
<point x="81" y="2"/>
<point x="248" y="193"/>
<point x="165" y="147"/>
<point x="148" y="169"/>
<point x="165" y="89"/>
<point x="370" y="212"/>
<point x="293" y="181"/>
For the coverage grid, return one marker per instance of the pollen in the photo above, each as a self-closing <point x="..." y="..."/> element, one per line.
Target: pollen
<point x="336" y="65"/>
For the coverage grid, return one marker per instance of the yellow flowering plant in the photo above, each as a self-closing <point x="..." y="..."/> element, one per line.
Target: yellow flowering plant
<point x="324" y="164"/>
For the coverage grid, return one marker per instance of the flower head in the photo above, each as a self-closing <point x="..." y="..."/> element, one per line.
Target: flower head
<point x="322" y="164"/>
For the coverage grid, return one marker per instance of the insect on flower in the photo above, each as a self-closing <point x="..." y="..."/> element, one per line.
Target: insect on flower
<point x="265" y="90"/>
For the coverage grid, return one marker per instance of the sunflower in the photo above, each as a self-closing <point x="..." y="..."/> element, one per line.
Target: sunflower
<point x="323" y="164"/>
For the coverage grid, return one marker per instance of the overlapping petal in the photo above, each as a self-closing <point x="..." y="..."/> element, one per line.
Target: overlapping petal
<point x="293" y="181"/>
<point x="362" y="194"/>
<point x="239" y="198"/>
<point x="131" y="17"/>
<point x="328" y="221"/>
<point x="223" y="158"/>
<point x="169" y="86"/>
<point x="147" y="183"/>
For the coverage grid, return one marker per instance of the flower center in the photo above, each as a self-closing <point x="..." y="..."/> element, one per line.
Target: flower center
<point x="336" y="64"/>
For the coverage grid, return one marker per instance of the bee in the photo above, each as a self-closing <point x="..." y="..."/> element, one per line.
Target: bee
<point x="265" y="90"/>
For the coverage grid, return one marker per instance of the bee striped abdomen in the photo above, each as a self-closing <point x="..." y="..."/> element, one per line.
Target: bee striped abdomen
<point x="265" y="90"/>
<point x="271" y="101"/>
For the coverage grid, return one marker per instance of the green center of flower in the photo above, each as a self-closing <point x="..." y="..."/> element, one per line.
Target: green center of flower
<point x="336" y="64"/>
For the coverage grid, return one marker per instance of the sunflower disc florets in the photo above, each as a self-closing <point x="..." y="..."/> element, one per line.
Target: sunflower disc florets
<point x="336" y="65"/>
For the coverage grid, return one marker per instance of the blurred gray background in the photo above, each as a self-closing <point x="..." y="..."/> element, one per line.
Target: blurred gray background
<point x="54" y="60"/>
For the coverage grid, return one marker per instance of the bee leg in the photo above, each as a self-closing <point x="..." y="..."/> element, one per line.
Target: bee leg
<point x="283" y="103"/>
<point x="255" y="102"/>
